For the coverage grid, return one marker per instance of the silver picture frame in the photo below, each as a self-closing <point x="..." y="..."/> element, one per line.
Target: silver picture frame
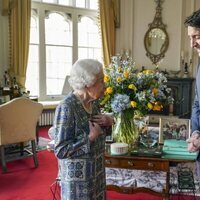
<point x="174" y="128"/>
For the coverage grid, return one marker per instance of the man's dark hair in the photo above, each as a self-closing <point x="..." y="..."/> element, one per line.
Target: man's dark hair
<point x="193" y="20"/>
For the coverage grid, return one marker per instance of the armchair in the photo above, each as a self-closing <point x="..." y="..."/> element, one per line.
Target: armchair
<point x="18" y="124"/>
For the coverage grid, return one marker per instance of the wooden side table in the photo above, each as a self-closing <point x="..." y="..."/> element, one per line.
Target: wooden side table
<point x="142" y="163"/>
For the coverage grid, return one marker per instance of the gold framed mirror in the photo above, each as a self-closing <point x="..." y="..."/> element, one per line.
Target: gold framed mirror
<point x="156" y="39"/>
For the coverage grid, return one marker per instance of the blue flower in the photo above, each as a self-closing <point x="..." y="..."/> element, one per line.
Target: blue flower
<point x="120" y="102"/>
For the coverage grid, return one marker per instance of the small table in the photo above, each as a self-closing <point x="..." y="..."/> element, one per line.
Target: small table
<point x="144" y="163"/>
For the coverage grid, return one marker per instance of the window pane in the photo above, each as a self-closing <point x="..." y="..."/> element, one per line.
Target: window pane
<point x="93" y="4"/>
<point x="32" y="74"/>
<point x="58" y="30"/>
<point x="50" y="1"/>
<point x="34" y="36"/>
<point x="59" y="62"/>
<point x="65" y="2"/>
<point x="88" y="33"/>
<point x="80" y="3"/>
<point x="89" y="53"/>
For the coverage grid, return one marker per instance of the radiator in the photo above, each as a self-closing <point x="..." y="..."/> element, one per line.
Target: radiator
<point x="47" y="117"/>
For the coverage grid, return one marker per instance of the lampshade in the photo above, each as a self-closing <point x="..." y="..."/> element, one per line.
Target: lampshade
<point x="66" y="87"/>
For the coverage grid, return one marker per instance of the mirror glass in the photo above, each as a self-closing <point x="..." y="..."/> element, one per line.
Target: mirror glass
<point x="156" y="40"/>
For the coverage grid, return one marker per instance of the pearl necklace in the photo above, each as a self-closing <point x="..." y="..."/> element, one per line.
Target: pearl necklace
<point x="87" y="109"/>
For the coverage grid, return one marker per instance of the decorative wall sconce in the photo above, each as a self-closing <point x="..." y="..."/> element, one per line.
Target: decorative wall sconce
<point x="186" y="64"/>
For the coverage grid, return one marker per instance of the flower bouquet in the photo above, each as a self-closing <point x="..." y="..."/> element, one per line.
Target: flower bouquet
<point x="130" y="94"/>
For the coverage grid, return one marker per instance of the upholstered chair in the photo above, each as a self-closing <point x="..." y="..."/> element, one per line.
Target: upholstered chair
<point x="18" y="125"/>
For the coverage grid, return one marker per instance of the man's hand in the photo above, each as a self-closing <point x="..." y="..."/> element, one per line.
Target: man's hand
<point x="194" y="142"/>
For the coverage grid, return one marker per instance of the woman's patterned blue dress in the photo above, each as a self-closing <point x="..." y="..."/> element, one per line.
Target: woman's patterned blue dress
<point x="81" y="163"/>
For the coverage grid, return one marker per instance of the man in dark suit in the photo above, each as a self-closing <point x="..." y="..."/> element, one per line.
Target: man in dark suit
<point x="193" y="25"/>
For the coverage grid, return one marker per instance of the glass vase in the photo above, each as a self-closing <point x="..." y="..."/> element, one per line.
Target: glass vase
<point x="125" y="129"/>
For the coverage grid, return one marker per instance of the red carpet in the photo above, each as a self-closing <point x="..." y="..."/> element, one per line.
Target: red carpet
<point x="24" y="182"/>
<point x="43" y="132"/>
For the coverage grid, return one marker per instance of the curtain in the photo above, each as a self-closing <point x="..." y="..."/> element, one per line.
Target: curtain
<point x="19" y="27"/>
<point x="107" y="9"/>
<point x="5" y="7"/>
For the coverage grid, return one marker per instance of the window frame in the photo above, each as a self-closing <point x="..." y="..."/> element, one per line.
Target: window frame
<point x="75" y="12"/>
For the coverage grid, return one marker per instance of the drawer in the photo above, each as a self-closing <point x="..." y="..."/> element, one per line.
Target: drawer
<point x="144" y="164"/>
<point x="112" y="162"/>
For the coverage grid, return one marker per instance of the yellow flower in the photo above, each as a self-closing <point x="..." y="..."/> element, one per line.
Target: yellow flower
<point x="147" y="71"/>
<point x="155" y="91"/>
<point x="106" y="78"/>
<point x="126" y="74"/>
<point x="109" y="90"/>
<point x="139" y="74"/>
<point x="149" y="105"/>
<point x="133" y="104"/>
<point x="157" y="106"/>
<point x="119" y="79"/>
<point x="132" y="87"/>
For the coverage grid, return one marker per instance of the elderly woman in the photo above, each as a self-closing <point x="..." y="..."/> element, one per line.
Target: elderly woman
<point x="80" y="134"/>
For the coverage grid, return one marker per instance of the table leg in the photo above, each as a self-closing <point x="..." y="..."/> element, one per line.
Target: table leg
<point x="166" y="197"/>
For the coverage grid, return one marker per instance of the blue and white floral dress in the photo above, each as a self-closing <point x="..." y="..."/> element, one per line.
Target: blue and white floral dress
<point x="81" y="163"/>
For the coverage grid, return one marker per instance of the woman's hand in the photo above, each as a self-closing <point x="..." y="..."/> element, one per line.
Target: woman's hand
<point x="95" y="131"/>
<point x="102" y="120"/>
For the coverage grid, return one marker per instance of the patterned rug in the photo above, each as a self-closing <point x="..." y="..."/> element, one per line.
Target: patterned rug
<point x="42" y="144"/>
<point x="13" y="150"/>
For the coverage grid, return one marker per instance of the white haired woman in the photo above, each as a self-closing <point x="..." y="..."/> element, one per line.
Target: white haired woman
<point x="80" y="134"/>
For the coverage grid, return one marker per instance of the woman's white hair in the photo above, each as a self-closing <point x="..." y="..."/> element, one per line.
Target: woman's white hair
<point x="84" y="73"/>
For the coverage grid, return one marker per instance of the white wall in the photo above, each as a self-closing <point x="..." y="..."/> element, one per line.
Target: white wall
<point x="125" y="32"/>
<point x="135" y="17"/>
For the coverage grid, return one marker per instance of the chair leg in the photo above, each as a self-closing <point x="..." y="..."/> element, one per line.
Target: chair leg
<point x="3" y="159"/>
<point x="34" y="152"/>
<point x="37" y="133"/>
<point x="21" y="148"/>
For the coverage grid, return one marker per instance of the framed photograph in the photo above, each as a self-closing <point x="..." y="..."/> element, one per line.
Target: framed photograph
<point x="174" y="128"/>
